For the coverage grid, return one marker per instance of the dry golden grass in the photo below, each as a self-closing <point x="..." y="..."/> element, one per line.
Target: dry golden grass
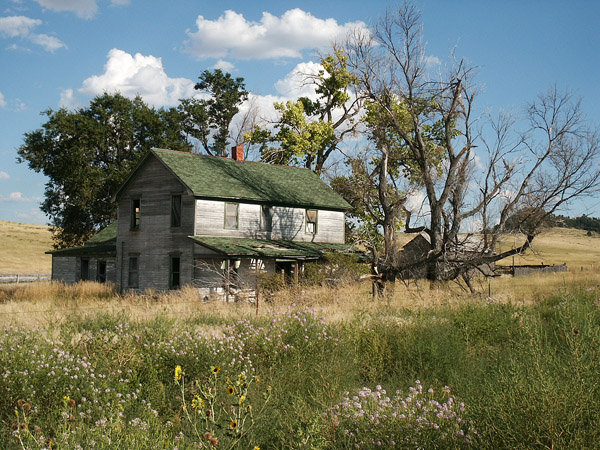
<point x="23" y="247"/>
<point x="558" y="246"/>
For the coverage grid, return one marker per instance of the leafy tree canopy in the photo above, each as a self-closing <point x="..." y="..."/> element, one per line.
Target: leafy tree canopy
<point x="88" y="153"/>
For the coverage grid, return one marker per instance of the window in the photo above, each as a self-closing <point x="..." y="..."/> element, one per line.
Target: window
<point x="135" y="214"/>
<point x="133" y="280"/>
<point x="231" y="215"/>
<point x="85" y="270"/>
<point x="266" y="218"/>
<point x="101" y="272"/>
<point x="176" y="210"/>
<point x="311" y="221"/>
<point x="174" y="273"/>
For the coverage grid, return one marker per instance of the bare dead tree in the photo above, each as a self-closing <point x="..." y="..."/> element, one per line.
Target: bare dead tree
<point x="426" y="126"/>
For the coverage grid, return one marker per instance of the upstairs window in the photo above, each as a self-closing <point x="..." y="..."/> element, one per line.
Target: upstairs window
<point x="232" y="216"/>
<point x="266" y="218"/>
<point x="135" y="214"/>
<point x="311" y="221"/>
<point x="176" y="210"/>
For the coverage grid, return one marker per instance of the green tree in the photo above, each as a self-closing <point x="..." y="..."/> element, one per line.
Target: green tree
<point x="88" y="153"/>
<point x="208" y="120"/>
<point x="309" y="131"/>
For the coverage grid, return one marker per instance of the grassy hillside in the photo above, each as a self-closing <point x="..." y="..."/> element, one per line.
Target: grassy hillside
<point x="23" y="247"/>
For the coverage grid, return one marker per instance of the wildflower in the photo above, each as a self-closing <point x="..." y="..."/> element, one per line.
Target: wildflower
<point x="178" y="373"/>
<point x="233" y="425"/>
<point x="207" y="436"/>
<point x="27" y="407"/>
<point x="197" y="402"/>
<point x="242" y="399"/>
<point x="71" y="402"/>
<point x="216" y="369"/>
<point x="19" y="403"/>
<point x="214" y="441"/>
<point x="256" y="447"/>
<point x="230" y="390"/>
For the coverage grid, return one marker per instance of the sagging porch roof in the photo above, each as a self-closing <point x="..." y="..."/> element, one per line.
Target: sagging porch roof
<point x="269" y="249"/>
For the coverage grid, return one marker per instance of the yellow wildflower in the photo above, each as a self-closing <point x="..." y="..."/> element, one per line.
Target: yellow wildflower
<point x="197" y="402"/>
<point x="256" y="447"/>
<point x="242" y="398"/>
<point x="216" y="369"/>
<point x="233" y="425"/>
<point x="178" y="373"/>
<point x="230" y="390"/>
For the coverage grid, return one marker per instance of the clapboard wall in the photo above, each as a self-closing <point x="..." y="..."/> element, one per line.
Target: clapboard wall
<point x="288" y="223"/>
<point x="155" y="242"/>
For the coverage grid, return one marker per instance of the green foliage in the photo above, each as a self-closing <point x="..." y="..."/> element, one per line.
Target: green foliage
<point x="336" y="268"/>
<point x="208" y="120"/>
<point x="88" y="153"/>
<point x="308" y="131"/>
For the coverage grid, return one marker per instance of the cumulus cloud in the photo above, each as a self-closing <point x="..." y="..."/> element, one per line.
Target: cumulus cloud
<point x="68" y="99"/>
<point x="294" y="85"/>
<point x="22" y="27"/>
<point x="138" y="75"/>
<point x="4" y="176"/>
<point x="231" y="35"/>
<point x="225" y="66"/>
<point x="86" y="9"/>
<point x="2" y="101"/>
<point x="432" y="61"/>
<point x="17" y="197"/>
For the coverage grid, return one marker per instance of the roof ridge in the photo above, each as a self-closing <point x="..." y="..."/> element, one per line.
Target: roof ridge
<point x="229" y="159"/>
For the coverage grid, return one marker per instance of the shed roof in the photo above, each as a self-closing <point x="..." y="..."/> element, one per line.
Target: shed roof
<point x="86" y="250"/>
<point x="269" y="249"/>
<point x="106" y="234"/>
<point x="223" y="178"/>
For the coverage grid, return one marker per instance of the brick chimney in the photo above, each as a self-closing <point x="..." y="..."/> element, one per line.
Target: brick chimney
<point x="237" y="153"/>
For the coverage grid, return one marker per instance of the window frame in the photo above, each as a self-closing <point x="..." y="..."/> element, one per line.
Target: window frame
<point x="133" y="274"/>
<point x="266" y="225"/>
<point x="135" y="214"/>
<point x="176" y="213"/>
<point x="237" y="216"/>
<point x="101" y="275"/>
<point x="307" y="222"/>
<point x="172" y="272"/>
<point x="85" y="277"/>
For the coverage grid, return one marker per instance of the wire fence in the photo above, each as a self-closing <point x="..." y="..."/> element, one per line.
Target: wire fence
<point x="8" y="278"/>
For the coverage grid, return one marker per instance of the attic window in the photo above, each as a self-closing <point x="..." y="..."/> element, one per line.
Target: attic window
<point x="311" y="221"/>
<point x="176" y="210"/>
<point x="232" y="216"/>
<point x="135" y="214"/>
<point x="266" y="218"/>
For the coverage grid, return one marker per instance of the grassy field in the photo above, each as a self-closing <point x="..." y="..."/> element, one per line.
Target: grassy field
<point x="23" y="247"/>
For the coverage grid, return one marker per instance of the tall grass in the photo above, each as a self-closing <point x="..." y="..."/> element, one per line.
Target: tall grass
<point x="527" y="372"/>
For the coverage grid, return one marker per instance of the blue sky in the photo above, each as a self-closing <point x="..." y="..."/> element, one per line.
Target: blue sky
<point x="57" y="53"/>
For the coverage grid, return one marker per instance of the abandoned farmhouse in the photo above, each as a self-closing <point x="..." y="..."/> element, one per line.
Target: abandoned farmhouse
<point x="185" y="218"/>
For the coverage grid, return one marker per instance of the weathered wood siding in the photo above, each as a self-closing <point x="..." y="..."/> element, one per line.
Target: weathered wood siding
<point x="155" y="242"/>
<point x="64" y="268"/>
<point x="288" y="223"/>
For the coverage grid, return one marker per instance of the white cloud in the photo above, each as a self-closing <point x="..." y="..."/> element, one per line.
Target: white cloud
<point x="17" y="26"/>
<point x="34" y="215"/>
<point x="83" y="8"/>
<point x="432" y="61"/>
<point x="17" y="197"/>
<point x="4" y="176"/>
<point x="2" y="101"/>
<point x="22" y="27"/>
<point x="225" y="66"/>
<point x="294" y="84"/>
<point x="68" y="99"/>
<point x="231" y="35"/>
<point x="138" y="74"/>
<point x="50" y="43"/>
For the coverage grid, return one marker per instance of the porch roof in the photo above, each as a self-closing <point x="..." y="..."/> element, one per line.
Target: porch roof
<point x="269" y="249"/>
<point x="86" y="250"/>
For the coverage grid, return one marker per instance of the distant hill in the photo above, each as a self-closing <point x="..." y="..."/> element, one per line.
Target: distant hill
<point x="23" y="247"/>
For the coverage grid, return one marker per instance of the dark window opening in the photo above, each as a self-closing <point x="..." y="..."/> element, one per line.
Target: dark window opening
<point x="135" y="214"/>
<point x="85" y="270"/>
<point x="231" y="215"/>
<point x="266" y="218"/>
<point x="133" y="280"/>
<point x="101" y="272"/>
<point x="176" y="210"/>
<point x="311" y="221"/>
<point x="175" y="273"/>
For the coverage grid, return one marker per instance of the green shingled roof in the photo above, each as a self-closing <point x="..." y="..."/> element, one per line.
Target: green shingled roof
<point x="263" y="248"/>
<point x="223" y="178"/>
<point x="106" y="234"/>
<point x="86" y="250"/>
